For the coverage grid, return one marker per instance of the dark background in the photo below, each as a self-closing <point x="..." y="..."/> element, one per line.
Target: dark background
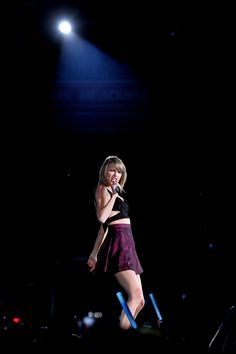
<point x="52" y="153"/>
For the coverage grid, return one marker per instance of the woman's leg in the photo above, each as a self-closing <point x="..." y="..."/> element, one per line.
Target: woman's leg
<point x="131" y="282"/>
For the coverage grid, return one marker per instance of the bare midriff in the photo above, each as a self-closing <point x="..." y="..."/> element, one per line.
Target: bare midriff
<point x="120" y="221"/>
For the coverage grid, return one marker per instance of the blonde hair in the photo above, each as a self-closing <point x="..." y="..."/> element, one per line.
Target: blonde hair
<point x="120" y="167"/>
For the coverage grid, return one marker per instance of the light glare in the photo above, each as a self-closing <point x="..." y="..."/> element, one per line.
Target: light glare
<point x="65" y="27"/>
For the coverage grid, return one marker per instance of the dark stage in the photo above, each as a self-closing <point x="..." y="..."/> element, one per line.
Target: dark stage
<point x="119" y="85"/>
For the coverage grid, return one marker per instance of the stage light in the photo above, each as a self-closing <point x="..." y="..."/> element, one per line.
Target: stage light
<point x="65" y="27"/>
<point x="16" y="319"/>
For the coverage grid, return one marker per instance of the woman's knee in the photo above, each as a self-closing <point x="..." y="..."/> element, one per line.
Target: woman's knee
<point x="141" y="302"/>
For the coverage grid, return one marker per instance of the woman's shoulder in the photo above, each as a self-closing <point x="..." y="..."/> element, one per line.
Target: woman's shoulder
<point x="101" y="195"/>
<point x="100" y="190"/>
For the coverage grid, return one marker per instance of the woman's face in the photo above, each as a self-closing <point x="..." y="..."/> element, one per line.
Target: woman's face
<point x="113" y="174"/>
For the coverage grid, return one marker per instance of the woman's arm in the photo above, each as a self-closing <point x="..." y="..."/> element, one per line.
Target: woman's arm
<point x="104" y="203"/>
<point x="92" y="260"/>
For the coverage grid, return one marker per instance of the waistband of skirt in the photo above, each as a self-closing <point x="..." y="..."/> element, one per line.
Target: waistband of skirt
<point x="120" y="226"/>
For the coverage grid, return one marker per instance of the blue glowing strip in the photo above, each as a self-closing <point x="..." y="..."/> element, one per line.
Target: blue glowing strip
<point x="127" y="310"/>
<point x="155" y="307"/>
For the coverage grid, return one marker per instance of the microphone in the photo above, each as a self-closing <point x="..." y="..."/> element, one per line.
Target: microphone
<point x="116" y="189"/>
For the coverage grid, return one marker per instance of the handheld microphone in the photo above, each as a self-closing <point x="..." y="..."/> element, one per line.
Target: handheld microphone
<point x="117" y="189"/>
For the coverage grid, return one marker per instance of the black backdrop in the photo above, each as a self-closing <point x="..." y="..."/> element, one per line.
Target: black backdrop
<point x="50" y="170"/>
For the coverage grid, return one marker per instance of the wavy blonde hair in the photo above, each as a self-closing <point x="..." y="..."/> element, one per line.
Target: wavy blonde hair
<point x="120" y="167"/>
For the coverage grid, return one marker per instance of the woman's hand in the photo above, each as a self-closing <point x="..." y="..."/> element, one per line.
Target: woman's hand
<point x="92" y="262"/>
<point x="116" y="188"/>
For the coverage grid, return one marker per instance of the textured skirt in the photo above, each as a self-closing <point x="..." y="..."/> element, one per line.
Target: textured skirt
<point x="118" y="252"/>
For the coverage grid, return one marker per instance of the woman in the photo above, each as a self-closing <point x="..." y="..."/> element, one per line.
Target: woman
<point x="114" y="248"/>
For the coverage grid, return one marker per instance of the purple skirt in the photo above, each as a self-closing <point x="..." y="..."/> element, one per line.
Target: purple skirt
<point x="118" y="252"/>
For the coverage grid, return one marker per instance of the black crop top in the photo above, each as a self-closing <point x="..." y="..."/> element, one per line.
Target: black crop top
<point x="121" y="206"/>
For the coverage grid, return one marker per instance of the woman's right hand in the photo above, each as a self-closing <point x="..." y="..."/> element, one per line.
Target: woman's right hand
<point x="116" y="188"/>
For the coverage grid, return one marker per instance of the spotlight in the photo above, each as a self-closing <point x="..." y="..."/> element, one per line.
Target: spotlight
<point x="64" y="27"/>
